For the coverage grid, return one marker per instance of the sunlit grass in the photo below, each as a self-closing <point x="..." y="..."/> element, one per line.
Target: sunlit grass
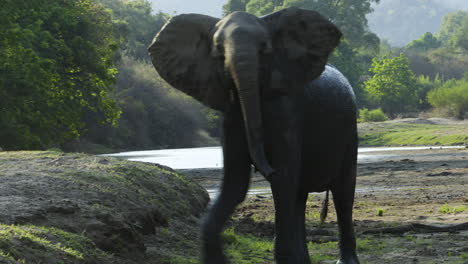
<point x="386" y="133"/>
<point x="447" y="209"/>
<point x="42" y="242"/>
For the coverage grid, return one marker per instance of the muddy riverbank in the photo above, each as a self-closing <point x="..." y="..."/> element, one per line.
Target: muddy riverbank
<point x="394" y="195"/>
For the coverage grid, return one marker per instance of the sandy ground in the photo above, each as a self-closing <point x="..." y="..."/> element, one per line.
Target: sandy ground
<point x="407" y="187"/>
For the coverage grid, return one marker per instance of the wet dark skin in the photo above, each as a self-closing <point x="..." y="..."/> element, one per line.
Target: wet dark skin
<point x="285" y="112"/>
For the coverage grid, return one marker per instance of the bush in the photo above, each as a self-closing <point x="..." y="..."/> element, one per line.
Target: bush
<point x="376" y="115"/>
<point x="451" y="97"/>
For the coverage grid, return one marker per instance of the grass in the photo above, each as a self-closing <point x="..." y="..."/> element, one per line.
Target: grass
<point x="379" y="212"/>
<point x="248" y="249"/>
<point x="447" y="209"/>
<point x="396" y="134"/>
<point x="18" y="243"/>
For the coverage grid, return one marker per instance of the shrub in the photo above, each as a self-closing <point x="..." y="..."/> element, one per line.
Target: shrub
<point x="376" y="115"/>
<point x="452" y="97"/>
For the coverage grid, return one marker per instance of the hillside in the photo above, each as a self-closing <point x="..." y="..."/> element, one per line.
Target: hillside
<point x="400" y="22"/>
<point x="77" y="208"/>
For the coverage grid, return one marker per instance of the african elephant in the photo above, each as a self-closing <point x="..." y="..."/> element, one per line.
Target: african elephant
<point x="285" y="111"/>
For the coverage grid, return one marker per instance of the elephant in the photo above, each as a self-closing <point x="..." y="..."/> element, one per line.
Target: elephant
<point x="286" y="112"/>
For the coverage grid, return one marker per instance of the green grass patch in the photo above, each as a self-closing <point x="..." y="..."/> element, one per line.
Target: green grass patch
<point x="379" y="212"/>
<point x="25" y="243"/>
<point x="447" y="209"/>
<point x="390" y="133"/>
<point x="247" y="249"/>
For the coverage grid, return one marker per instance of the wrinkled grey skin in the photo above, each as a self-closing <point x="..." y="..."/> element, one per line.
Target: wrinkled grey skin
<point x="284" y="112"/>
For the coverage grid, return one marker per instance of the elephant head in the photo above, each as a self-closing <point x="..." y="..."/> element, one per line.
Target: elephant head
<point x="218" y="61"/>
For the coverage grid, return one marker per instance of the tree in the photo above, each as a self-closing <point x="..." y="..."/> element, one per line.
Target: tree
<point x="453" y="27"/>
<point x="393" y="85"/>
<point x="349" y="16"/>
<point x="234" y="5"/>
<point x="451" y="97"/>
<point x="424" y="43"/>
<point x="135" y="25"/>
<point x="56" y="67"/>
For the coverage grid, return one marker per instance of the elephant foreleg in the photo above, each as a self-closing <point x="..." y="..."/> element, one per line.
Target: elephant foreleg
<point x="284" y="145"/>
<point x="343" y="197"/>
<point x="300" y="225"/>
<point x="234" y="188"/>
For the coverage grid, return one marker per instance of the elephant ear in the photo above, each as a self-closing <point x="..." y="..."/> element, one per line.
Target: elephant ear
<point x="303" y="40"/>
<point x="181" y="53"/>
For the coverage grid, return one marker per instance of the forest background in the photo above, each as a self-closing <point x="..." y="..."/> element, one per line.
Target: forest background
<point x="76" y="75"/>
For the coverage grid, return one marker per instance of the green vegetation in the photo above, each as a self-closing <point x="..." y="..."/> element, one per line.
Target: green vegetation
<point x="376" y="115"/>
<point x="392" y="85"/>
<point x="400" y="22"/>
<point x="247" y="249"/>
<point x="394" y="134"/>
<point x="447" y="209"/>
<point x="92" y="197"/>
<point x="451" y="97"/>
<point x="379" y="212"/>
<point x="75" y="74"/>
<point x="56" y="71"/>
<point x="19" y="244"/>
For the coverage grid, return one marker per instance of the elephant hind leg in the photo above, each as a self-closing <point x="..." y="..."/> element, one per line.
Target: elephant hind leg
<point x="234" y="188"/>
<point x="343" y="198"/>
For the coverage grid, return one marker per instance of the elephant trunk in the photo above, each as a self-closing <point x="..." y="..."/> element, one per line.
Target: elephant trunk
<point x="243" y="67"/>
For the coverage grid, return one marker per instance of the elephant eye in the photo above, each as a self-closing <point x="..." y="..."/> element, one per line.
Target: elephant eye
<point x="264" y="48"/>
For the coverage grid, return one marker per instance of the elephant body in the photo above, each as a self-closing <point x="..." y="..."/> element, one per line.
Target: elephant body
<point x="285" y="113"/>
<point x="329" y="128"/>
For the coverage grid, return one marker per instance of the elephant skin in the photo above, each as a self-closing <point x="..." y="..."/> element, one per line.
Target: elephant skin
<point x="285" y="112"/>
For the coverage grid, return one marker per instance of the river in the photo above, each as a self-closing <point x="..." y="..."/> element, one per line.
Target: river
<point x="211" y="157"/>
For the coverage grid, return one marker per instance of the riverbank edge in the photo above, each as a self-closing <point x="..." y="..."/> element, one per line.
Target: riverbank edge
<point x="80" y="208"/>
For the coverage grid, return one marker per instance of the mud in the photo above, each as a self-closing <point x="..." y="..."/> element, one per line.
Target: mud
<point x="429" y="187"/>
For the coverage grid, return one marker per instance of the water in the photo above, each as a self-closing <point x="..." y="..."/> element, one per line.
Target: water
<point x="212" y="157"/>
<point x="213" y="192"/>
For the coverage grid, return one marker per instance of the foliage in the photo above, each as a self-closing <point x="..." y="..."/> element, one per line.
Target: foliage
<point x="135" y="24"/>
<point x="234" y="5"/>
<point x="400" y="22"/>
<point x="424" y="84"/>
<point x="349" y="16"/>
<point x="452" y="96"/>
<point x="445" y="52"/>
<point x="376" y="115"/>
<point x="392" y="86"/>
<point x="424" y="43"/>
<point x="56" y="67"/>
<point x="454" y="30"/>
<point x="155" y="115"/>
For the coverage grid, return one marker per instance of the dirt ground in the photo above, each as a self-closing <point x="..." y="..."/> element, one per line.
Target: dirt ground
<point x="410" y="207"/>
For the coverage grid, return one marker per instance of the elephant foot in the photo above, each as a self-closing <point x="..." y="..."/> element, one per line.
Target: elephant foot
<point x="291" y="260"/>
<point x="219" y="259"/>
<point x="212" y="253"/>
